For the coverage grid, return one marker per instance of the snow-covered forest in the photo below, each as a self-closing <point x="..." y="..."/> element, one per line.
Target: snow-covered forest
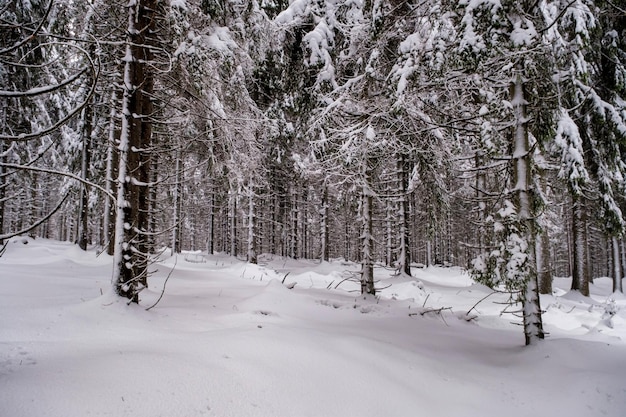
<point x="378" y="145"/>
<point x="489" y="135"/>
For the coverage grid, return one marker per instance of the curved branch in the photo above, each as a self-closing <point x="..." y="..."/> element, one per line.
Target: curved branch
<point x="61" y="173"/>
<point x="29" y="38"/>
<point x="95" y="70"/>
<point x="43" y="90"/>
<point x="37" y="223"/>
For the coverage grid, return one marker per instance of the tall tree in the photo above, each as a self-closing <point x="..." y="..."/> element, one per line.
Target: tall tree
<point x="130" y="272"/>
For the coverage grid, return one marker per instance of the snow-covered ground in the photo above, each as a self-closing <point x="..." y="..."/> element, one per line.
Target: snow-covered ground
<point x="230" y="339"/>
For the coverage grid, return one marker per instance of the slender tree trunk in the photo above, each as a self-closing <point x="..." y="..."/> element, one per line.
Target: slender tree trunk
<point x="367" y="238"/>
<point x="3" y="185"/>
<point x="233" y="220"/>
<point x="580" y="277"/>
<point x="210" y="247"/>
<point x="84" y="190"/>
<point x="404" y="260"/>
<point x="324" y="224"/>
<point x="390" y="210"/>
<point x="153" y="204"/>
<point x="522" y="159"/>
<point x="293" y="233"/>
<point x="178" y="188"/>
<point x="252" y="255"/>
<point x="544" y="268"/>
<point x="617" y="266"/>
<point x="623" y="246"/>
<point x="111" y="163"/>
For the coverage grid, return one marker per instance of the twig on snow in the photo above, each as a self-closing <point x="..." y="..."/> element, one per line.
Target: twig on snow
<point x="164" y="284"/>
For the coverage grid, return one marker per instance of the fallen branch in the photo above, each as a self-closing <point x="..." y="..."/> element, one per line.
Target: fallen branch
<point x="430" y="310"/>
<point x="164" y="284"/>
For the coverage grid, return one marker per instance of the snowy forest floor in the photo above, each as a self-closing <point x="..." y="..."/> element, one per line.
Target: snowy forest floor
<point x="229" y="339"/>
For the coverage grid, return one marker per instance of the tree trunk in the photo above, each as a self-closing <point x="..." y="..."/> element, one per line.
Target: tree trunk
<point x="480" y="195"/>
<point x="210" y="247"/>
<point x="617" y="266"/>
<point x="111" y="164"/>
<point x="233" y="220"/>
<point x="293" y="232"/>
<point x="580" y="277"/>
<point x="130" y="261"/>
<point x="84" y="190"/>
<point x="3" y="185"/>
<point x="404" y="258"/>
<point x="178" y="188"/>
<point x="252" y="255"/>
<point x="324" y="224"/>
<point x="389" y="234"/>
<point x="367" y="238"/>
<point x="522" y="177"/>
<point x="544" y="268"/>
<point x="623" y="246"/>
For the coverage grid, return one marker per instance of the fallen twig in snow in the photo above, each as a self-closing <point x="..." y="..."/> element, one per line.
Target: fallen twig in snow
<point x="164" y="283"/>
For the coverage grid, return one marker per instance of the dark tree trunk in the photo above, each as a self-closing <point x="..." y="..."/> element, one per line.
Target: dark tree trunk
<point x="324" y="225"/>
<point x="131" y="261"/>
<point x="580" y="270"/>
<point x="84" y="190"/>
<point x="404" y="259"/>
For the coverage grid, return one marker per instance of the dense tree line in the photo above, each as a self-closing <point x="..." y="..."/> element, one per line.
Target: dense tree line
<point x="489" y="135"/>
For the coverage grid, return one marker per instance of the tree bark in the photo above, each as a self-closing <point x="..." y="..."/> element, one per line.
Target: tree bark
<point x="84" y="190"/>
<point x="522" y="160"/>
<point x="580" y="276"/>
<point x="252" y="255"/>
<point x="210" y="247"/>
<point x="3" y="186"/>
<point x="617" y="266"/>
<point x="404" y="258"/>
<point x="232" y="195"/>
<point x="324" y="224"/>
<point x="178" y="188"/>
<point x="130" y="260"/>
<point x="111" y="170"/>
<point x="367" y="238"/>
<point x="544" y="268"/>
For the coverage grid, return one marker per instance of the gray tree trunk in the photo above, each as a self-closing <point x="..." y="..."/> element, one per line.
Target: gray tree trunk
<point x="367" y="238"/>
<point x="544" y="267"/>
<point x="522" y="176"/>
<point x="617" y="266"/>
